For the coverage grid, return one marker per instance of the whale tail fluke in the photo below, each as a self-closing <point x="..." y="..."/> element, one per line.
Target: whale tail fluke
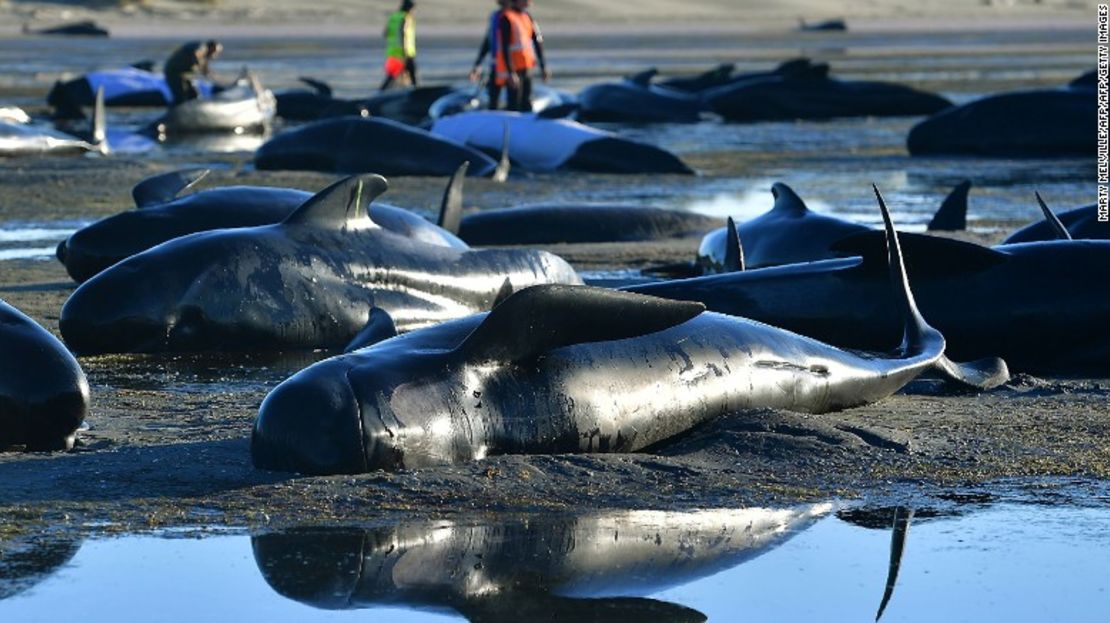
<point x="1058" y="229"/>
<point x="450" y="208"/>
<point x="952" y="214"/>
<point x="734" y="250"/>
<point x="918" y="338"/>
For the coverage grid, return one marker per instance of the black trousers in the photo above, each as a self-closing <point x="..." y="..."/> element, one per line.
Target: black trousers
<point x="181" y="88"/>
<point x="520" y="99"/>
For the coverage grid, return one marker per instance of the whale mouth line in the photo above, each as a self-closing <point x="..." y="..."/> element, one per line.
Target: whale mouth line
<point x="362" y="439"/>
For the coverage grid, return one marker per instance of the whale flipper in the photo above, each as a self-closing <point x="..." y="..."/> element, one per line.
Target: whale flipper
<point x="450" y="209"/>
<point x="787" y="201"/>
<point x="1058" y="228"/>
<point x="952" y="214"/>
<point x="535" y="320"/>
<point x="734" y="250"/>
<point x="341" y="203"/>
<point x="166" y="187"/>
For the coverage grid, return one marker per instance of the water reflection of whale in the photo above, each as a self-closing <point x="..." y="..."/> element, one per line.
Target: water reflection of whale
<point x="27" y="561"/>
<point x="581" y="568"/>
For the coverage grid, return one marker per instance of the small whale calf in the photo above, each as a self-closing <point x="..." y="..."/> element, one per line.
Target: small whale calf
<point x="308" y="282"/>
<point x="558" y="368"/>
<point x="44" y="396"/>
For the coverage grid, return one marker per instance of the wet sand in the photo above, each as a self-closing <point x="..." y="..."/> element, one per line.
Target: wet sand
<point x="169" y="436"/>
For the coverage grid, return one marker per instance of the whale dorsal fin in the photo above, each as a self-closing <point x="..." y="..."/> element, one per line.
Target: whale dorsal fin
<point x="450" y="209"/>
<point x="166" y="187"/>
<point x="925" y="255"/>
<point x="952" y="215"/>
<point x="321" y="87"/>
<point x="344" y="203"/>
<point x="535" y="320"/>
<point x="379" y="327"/>
<point x="501" y="173"/>
<point x="787" y="201"/>
<point x="1058" y="228"/>
<point x="643" y="78"/>
<point x="734" y="250"/>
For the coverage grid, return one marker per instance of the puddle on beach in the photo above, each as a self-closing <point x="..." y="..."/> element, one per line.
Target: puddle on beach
<point x="1008" y="562"/>
<point x="20" y="240"/>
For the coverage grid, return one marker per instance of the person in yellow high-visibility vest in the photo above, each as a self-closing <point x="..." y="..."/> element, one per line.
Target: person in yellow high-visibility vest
<point x="400" y="45"/>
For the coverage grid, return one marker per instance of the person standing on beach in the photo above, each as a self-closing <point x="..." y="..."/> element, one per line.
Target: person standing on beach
<point x="489" y="46"/>
<point x="188" y="61"/>
<point x="519" y="47"/>
<point x="400" y="45"/>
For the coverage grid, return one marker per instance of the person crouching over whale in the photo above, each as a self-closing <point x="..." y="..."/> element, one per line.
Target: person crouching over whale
<point x="400" y="46"/>
<point x="188" y="61"/>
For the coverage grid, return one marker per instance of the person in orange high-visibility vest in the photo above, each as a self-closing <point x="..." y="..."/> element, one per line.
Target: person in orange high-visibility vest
<point x="519" y="49"/>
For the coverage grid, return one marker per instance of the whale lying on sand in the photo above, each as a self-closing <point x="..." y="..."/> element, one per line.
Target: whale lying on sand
<point x="534" y="376"/>
<point x="308" y="282"/>
<point x="636" y="100"/>
<point x="809" y="93"/>
<point x="537" y="144"/>
<point x="1081" y="223"/>
<point x="44" y="396"/>
<point x="20" y="138"/>
<point x="544" y="98"/>
<point x="538" y="568"/>
<point x="790" y="232"/>
<point x="1024" y="302"/>
<point x="574" y="223"/>
<point x="360" y="145"/>
<point x="409" y="106"/>
<point x="244" y="106"/>
<point x="127" y="86"/>
<point x="162" y="215"/>
<point x="1036" y="124"/>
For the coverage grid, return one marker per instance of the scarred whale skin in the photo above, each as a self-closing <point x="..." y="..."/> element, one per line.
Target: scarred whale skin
<point x="567" y="565"/>
<point x="531" y="377"/>
<point x="44" y="396"/>
<point x="358" y="145"/>
<point x="307" y="282"/>
<point x="96" y="247"/>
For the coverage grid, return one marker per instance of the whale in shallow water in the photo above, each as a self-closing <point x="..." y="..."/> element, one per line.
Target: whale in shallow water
<point x="636" y="100"/>
<point x="162" y="215"/>
<point x="809" y="93"/>
<point x="790" y="232"/>
<point x="359" y="145"/>
<point x="1026" y="303"/>
<point x="308" y="282"/>
<point x="465" y="100"/>
<point x="19" y="138"/>
<point x="244" y="106"/>
<point x="44" y="396"/>
<point x="596" y="566"/>
<point x="1034" y="124"/>
<point x="556" y="369"/>
<point x="126" y="86"/>
<point x="537" y="144"/>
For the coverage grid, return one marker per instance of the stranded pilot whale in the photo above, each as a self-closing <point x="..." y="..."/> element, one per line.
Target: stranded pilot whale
<point x="597" y="566"/>
<point x="310" y="281"/>
<point x="44" y="396"/>
<point x="532" y="377"/>
<point x="790" y="232"/>
<point x="162" y="215"/>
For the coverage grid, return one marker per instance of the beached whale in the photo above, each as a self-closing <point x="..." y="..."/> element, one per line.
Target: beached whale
<point x="44" y="396"/>
<point x="636" y="100"/>
<point x="1082" y="223"/>
<point x="812" y="94"/>
<point x="544" y="98"/>
<point x="409" y="106"/>
<point x="557" y="369"/>
<point x="127" y="86"/>
<point x="84" y="28"/>
<point x="538" y="144"/>
<point x="19" y="137"/>
<point x="356" y="145"/>
<point x="307" y="282"/>
<point x="1034" y="124"/>
<point x="162" y="215"/>
<point x="243" y="106"/>
<point x="1026" y="303"/>
<point x="719" y="75"/>
<point x="790" y="232"/>
<point x="535" y="568"/>
<point x="570" y="223"/>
